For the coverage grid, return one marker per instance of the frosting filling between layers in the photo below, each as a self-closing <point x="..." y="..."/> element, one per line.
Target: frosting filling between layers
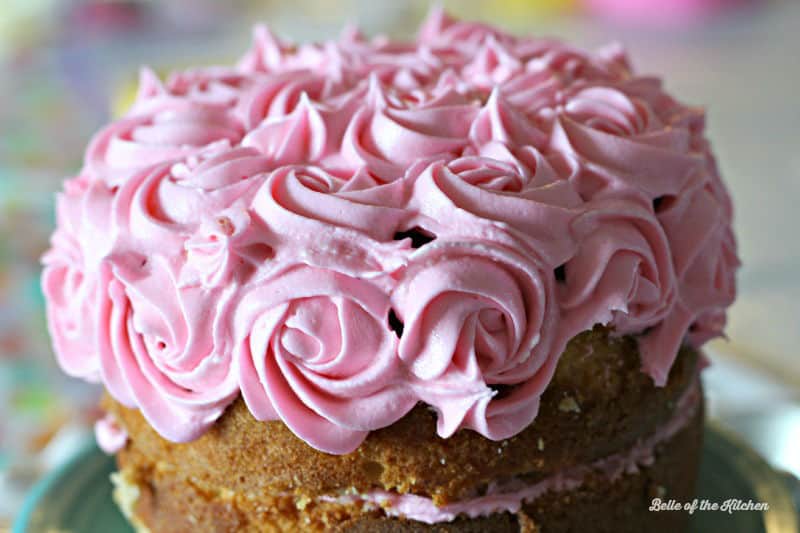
<point x="509" y="496"/>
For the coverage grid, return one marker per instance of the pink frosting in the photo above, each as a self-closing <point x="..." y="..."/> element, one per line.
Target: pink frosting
<point x="110" y="436"/>
<point x="339" y="230"/>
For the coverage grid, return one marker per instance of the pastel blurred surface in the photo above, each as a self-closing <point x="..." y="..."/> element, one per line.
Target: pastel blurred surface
<point x="66" y="66"/>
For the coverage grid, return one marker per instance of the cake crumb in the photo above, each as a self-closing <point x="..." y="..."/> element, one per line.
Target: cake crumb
<point x="568" y="404"/>
<point x="442" y="460"/>
<point x="540" y="444"/>
<point x="302" y="502"/>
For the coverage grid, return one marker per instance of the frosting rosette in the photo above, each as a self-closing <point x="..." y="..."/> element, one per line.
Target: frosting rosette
<point x="496" y="201"/>
<point x="157" y="209"/>
<point x="440" y="30"/>
<point x="311" y="133"/>
<point x="622" y="273"/>
<point x="228" y="247"/>
<point x="389" y="134"/>
<point x="160" y="127"/>
<point x="268" y="53"/>
<point x="222" y="86"/>
<point x="316" y="351"/>
<point x="70" y="288"/>
<point x="612" y="141"/>
<point x="277" y="96"/>
<point x="704" y="255"/>
<point x="315" y="218"/>
<point x="163" y="349"/>
<point x="499" y="121"/>
<point x="477" y="316"/>
<point x="339" y="230"/>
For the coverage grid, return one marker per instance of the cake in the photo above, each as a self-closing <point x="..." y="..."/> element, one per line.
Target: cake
<point x="455" y="284"/>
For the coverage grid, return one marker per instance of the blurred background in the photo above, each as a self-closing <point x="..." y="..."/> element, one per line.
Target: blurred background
<point x="66" y="67"/>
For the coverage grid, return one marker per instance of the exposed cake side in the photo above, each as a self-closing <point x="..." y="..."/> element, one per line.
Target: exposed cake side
<point x="595" y="466"/>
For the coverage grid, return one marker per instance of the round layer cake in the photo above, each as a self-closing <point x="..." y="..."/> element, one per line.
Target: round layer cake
<point x="455" y="284"/>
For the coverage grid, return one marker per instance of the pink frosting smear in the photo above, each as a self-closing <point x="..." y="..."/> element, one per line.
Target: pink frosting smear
<point x="110" y="436"/>
<point x="338" y="231"/>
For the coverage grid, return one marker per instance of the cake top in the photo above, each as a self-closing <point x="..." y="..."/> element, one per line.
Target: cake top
<point x="340" y="230"/>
